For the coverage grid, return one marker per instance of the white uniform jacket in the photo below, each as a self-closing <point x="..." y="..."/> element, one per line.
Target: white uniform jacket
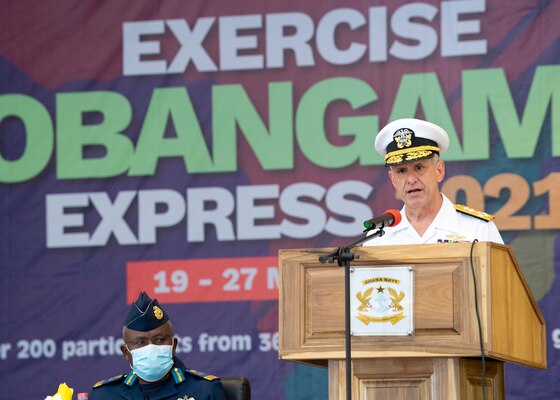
<point x="449" y="226"/>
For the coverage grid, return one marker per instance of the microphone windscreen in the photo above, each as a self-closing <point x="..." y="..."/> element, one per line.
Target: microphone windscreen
<point x="397" y="217"/>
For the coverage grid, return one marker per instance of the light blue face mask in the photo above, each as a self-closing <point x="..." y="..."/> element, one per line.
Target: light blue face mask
<point x="152" y="362"/>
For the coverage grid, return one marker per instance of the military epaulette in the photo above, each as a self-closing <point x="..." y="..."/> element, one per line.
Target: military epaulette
<point x="178" y="375"/>
<point x="474" y="213"/>
<point x="114" y="379"/>
<point x="208" y="377"/>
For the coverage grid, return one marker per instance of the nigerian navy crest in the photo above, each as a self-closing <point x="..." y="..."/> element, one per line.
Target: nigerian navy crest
<point x="156" y="373"/>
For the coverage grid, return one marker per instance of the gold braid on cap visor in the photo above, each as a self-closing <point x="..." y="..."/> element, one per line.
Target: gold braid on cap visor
<point x="399" y="156"/>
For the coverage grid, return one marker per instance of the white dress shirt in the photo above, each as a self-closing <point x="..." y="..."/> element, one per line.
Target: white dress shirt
<point x="449" y="225"/>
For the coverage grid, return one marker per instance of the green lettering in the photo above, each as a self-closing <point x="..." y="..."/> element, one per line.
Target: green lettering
<point x="38" y="137"/>
<point x="73" y="137"/>
<point x="310" y="124"/>
<point x="485" y="90"/>
<point x="424" y="90"/>
<point x="188" y="143"/>
<point x="232" y="108"/>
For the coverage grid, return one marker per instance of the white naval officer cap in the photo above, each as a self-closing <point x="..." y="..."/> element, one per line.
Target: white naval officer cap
<point x="410" y="139"/>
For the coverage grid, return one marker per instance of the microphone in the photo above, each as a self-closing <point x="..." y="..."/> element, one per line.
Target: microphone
<point x="388" y="218"/>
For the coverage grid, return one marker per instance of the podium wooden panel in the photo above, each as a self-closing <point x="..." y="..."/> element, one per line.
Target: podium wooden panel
<point x="442" y="358"/>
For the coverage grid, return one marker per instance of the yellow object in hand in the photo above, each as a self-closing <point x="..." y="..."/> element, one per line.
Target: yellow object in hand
<point x="64" y="393"/>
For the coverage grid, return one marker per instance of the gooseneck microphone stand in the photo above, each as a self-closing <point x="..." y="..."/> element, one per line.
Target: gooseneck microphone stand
<point x="343" y="256"/>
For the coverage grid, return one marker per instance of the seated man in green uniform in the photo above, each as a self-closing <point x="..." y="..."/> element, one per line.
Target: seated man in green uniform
<point x="149" y="348"/>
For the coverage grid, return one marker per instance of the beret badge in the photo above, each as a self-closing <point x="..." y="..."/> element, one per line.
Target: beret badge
<point x="158" y="313"/>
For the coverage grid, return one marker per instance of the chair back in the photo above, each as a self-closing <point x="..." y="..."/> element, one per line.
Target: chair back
<point x="236" y="387"/>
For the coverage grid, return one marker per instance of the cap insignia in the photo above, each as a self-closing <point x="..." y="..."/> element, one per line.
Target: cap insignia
<point x="414" y="155"/>
<point x="394" y="159"/>
<point x="158" y="313"/>
<point x="403" y="137"/>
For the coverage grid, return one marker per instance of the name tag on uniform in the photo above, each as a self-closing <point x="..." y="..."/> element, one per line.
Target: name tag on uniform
<point x="453" y="238"/>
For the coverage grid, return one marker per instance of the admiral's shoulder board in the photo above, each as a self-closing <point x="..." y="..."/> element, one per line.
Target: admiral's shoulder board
<point x="474" y="213"/>
<point x="114" y="379"/>
<point x="208" y="377"/>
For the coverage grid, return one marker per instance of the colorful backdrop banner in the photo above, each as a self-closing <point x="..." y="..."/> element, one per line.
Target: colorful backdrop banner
<point x="175" y="147"/>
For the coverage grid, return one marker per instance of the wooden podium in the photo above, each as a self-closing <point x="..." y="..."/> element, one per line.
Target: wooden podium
<point x="442" y="359"/>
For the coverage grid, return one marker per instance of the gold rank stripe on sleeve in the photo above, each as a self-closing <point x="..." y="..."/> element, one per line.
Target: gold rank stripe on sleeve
<point x="474" y="213"/>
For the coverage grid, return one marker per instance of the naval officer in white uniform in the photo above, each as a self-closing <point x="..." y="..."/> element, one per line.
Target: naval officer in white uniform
<point x="411" y="149"/>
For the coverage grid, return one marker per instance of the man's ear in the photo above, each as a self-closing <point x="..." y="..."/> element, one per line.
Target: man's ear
<point x="390" y="173"/>
<point x="391" y="178"/>
<point x="126" y="354"/>
<point x="175" y="342"/>
<point x="440" y="170"/>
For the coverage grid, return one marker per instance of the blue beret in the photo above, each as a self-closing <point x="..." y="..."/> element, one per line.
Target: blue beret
<point x="145" y="314"/>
